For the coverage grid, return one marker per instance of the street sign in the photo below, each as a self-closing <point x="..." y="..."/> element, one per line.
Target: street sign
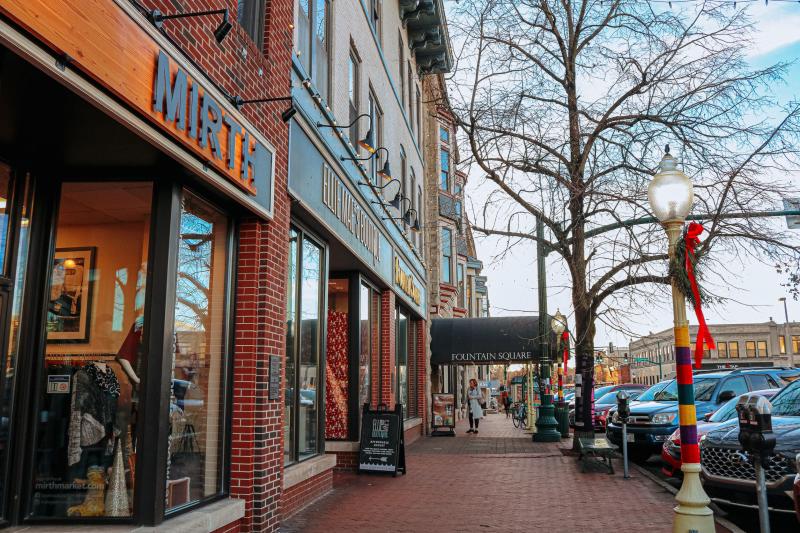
<point x="792" y="221"/>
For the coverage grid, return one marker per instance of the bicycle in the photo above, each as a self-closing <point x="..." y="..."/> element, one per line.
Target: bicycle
<point x="519" y="416"/>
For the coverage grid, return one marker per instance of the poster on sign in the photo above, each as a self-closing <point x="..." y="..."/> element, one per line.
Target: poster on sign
<point x="382" y="447"/>
<point x="443" y="419"/>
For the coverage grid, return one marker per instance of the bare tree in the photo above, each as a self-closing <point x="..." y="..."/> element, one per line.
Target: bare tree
<point x="566" y="107"/>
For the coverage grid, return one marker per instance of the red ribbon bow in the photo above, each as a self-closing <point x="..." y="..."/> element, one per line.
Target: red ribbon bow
<point x="692" y="239"/>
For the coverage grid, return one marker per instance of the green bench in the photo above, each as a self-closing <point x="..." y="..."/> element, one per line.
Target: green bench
<point x="595" y="449"/>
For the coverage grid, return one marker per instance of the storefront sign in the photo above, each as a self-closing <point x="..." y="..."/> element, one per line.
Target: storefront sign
<point x="492" y="356"/>
<point x="141" y="68"/>
<point x="382" y="447"/>
<point x="406" y="282"/>
<point x="444" y="410"/>
<point x="338" y="199"/>
<point x="206" y="124"/>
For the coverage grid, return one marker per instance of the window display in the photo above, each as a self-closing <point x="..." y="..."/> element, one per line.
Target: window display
<point x="336" y="360"/>
<point x="86" y="445"/>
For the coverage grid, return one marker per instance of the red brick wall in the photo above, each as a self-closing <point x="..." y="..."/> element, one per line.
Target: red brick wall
<point x="233" y="527"/>
<point x="346" y="461"/>
<point x="302" y="494"/>
<point x="257" y="438"/>
<point x="388" y="347"/>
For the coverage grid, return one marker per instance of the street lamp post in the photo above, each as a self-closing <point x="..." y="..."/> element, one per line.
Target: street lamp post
<point x="670" y="195"/>
<point x="546" y="424"/>
<point x="559" y="326"/>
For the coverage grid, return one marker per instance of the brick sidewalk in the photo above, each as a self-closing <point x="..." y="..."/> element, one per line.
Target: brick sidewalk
<point x="497" y="480"/>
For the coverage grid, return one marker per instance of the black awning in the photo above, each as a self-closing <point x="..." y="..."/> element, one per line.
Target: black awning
<point x="491" y="340"/>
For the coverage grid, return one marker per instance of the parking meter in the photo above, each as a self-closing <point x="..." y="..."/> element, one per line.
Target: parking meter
<point x="624" y="411"/>
<point x="756" y="437"/>
<point x="623" y="405"/>
<point x="755" y="425"/>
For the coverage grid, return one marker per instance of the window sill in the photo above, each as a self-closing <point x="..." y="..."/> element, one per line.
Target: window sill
<point x="411" y="423"/>
<point x="309" y="468"/>
<point x="205" y="519"/>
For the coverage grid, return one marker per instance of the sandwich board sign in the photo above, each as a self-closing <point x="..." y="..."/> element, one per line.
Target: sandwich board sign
<point x="382" y="447"/>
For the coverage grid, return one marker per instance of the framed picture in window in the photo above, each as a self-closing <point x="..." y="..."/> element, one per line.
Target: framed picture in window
<point x="70" y="299"/>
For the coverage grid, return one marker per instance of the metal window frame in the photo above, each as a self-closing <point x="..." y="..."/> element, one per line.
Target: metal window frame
<point x="305" y="233"/>
<point x="148" y="506"/>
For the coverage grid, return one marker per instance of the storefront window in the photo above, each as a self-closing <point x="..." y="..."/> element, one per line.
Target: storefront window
<point x="307" y="281"/>
<point x="367" y="325"/>
<point x="86" y="445"/>
<point x="197" y="390"/>
<point x="337" y="355"/>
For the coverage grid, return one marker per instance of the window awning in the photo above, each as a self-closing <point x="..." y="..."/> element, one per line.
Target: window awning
<point x="489" y="340"/>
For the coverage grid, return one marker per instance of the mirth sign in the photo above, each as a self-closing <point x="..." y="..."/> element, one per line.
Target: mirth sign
<point x="406" y="282"/>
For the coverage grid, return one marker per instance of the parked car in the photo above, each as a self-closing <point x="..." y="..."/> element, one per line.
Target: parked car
<point x="671" y="451"/>
<point x="601" y="408"/>
<point x="605" y="399"/>
<point x="651" y="423"/>
<point x="646" y="396"/>
<point x="727" y="474"/>
<point x="797" y="488"/>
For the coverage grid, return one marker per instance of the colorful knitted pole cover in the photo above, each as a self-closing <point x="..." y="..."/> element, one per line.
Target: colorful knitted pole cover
<point x="690" y="452"/>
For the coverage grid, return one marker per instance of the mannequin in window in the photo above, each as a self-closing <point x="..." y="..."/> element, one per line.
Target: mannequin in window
<point x="92" y="432"/>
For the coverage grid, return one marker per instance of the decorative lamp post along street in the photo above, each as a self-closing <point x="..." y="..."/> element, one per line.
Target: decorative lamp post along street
<point x="671" y="195"/>
<point x="559" y="326"/>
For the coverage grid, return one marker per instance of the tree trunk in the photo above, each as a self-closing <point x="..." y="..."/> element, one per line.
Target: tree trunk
<point x="584" y="366"/>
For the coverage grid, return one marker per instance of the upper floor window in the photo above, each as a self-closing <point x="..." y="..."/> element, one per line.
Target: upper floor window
<point x="353" y="84"/>
<point x="375" y="17"/>
<point x="460" y="279"/>
<point x="444" y="179"/>
<point x="419" y="212"/>
<point x="401" y="51"/>
<point x="250" y="14"/>
<point x="418" y="112"/>
<point x="411" y="97"/>
<point x="722" y="348"/>
<point x="447" y="255"/>
<point x="733" y="348"/>
<point x="750" y="348"/>
<point x="313" y="42"/>
<point x="444" y="135"/>
<point x="403" y="179"/>
<point x="376" y="121"/>
<point x="762" y="349"/>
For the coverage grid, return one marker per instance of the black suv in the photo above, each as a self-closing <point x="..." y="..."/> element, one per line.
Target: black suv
<point x="651" y="423"/>
<point x="727" y="473"/>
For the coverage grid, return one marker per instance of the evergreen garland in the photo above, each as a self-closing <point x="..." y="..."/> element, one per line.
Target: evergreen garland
<point x="679" y="276"/>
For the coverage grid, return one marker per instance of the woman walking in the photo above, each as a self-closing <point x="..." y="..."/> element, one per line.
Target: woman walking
<point x="475" y="410"/>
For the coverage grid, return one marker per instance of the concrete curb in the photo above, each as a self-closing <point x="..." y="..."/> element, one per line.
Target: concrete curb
<point x="727" y="524"/>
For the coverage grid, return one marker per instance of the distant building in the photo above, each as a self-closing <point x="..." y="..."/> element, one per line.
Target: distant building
<point x="737" y="345"/>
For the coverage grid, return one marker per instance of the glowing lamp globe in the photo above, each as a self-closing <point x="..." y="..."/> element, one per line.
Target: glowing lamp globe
<point x="559" y="323"/>
<point x="670" y="193"/>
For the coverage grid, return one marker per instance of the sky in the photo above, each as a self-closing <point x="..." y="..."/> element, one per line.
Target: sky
<point x="512" y="279"/>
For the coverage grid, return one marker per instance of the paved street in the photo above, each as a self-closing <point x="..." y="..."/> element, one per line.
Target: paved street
<point x="497" y="480"/>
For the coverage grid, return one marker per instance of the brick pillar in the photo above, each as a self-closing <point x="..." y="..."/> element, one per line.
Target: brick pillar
<point x="388" y="348"/>
<point x="376" y="379"/>
<point x="422" y="370"/>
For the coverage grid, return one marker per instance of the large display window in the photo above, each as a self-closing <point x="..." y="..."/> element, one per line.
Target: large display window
<point x="305" y="324"/>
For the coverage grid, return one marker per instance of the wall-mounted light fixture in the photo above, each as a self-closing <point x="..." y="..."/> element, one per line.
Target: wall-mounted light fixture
<point x="390" y="190"/>
<point x="285" y="116"/>
<point x="411" y="220"/>
<point x="385" y="172"/>
<point x="158" y="18"/>
<point x="367" y="143"/>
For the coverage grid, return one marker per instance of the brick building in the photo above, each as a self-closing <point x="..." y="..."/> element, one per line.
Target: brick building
<point x="738" y="345"/>
<point x="144" y="228"/>
<point x="455" y="285"/>
<point x="358" y="305"/>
